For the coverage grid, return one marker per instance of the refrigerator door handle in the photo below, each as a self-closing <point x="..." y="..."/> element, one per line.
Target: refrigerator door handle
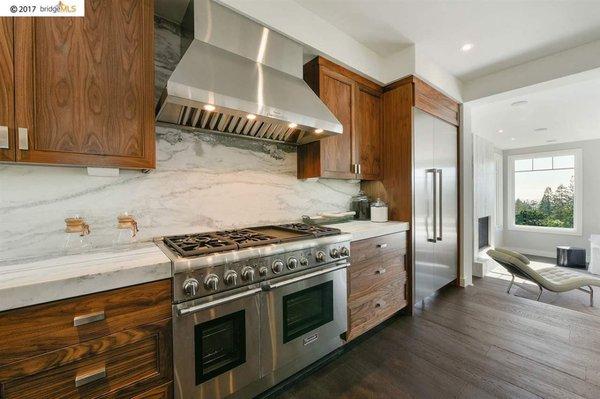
<point x="441" y="195"/>
<point x="434" y="173"/>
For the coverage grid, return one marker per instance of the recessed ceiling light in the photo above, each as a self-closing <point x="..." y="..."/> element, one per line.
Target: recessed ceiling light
<point x="209" y="107"/>
<point x="540" y="129"/>
<point x="467" y="47"/>
<point x="293" y="125"/>
<point x="251" y="116"/>
<point x="519" y="103"/>
<point x="500" y="131"/>
<point x="318" y="131"/>
<point x="512" y="139"/>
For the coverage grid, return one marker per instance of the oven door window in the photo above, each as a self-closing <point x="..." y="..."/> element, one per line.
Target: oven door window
<point x="305" y="310"/>
<point x="220" y="345"/>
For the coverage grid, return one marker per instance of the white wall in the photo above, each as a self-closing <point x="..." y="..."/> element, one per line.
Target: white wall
<point x="545" y="244"/>
<point x="467" y="222"/>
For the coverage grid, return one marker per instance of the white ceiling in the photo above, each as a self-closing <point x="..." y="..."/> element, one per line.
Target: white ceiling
<point x="505" y="33"/>
<point x="570" y="113"/>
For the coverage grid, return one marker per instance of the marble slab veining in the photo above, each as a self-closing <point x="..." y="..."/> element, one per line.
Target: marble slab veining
<point x="364" y="229"/>
<point x="26" y="284"/>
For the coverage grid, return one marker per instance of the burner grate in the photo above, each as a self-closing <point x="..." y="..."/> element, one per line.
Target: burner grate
<point x="199" y="244"/>
<point x="315" y="230"/>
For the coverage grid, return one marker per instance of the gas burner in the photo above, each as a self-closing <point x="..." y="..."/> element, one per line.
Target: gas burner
<point x="248" y="238"/>
<point x="315" y="230"/>
<point x="199" y="244"/>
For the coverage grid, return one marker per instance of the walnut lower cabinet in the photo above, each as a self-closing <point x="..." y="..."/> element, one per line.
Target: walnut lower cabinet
<point x="114" y="344"/>
<point x="376" y="282"/>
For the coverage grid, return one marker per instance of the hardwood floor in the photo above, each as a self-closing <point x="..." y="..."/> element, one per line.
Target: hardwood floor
<point x="477" y="342"/>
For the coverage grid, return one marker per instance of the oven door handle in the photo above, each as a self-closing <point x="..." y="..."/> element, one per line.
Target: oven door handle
<point x="211" y="304"/>
<point x="268" y="286"/>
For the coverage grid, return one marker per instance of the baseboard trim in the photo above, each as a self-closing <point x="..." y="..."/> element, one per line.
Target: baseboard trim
<point x="525" y="251"/>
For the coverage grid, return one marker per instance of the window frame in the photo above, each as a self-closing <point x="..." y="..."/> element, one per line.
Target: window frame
<point x="578" y="200"/>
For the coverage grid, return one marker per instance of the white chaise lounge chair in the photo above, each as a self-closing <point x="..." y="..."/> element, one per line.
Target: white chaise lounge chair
<point x="555" y="279"/>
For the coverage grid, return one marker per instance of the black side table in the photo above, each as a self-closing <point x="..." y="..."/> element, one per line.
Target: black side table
<point x="571" y="257"/>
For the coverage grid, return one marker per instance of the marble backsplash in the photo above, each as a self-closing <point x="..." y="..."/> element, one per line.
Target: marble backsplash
<point x="203" y="181"/>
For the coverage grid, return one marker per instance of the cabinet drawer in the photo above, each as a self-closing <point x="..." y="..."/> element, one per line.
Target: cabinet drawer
<point x="375" y="308"/>
<point x="117" y="366"/>
<point x="43" y="328"/>
<point x="364" y="250"/>
<point x="371" y="276"/>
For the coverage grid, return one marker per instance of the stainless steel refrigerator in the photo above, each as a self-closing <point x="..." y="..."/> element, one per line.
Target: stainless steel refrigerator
<point x="435" y="212"/>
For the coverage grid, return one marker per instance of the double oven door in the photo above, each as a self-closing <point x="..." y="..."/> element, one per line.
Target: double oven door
<point x="250" y="339"/>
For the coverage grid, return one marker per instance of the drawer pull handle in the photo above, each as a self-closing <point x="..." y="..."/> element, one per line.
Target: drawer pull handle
<point x="89" y="377"/>
<point x="382" y="245"/>
<point x="380" y="271"/>
<point x="88" y="318"/>
<point x="379" y="304"/>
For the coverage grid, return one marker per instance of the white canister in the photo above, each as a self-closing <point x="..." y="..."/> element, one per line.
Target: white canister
<point x="379" y="211"/>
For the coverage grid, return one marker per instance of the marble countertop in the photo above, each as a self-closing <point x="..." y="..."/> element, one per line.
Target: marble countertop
<point x="41" y="281"/>
<point x="363" y="229"/>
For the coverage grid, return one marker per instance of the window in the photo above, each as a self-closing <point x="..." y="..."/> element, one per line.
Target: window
<point x="545" y="192"/>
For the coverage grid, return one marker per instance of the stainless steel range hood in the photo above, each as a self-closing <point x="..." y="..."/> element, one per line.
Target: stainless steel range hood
<point x="239" y="77"/>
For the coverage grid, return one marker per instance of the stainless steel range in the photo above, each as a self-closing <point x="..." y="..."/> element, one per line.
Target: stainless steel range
<point x="253" y="306"/>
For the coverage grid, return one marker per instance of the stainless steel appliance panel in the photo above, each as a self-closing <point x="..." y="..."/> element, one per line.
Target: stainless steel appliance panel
<point x="185" y="339"/>
<point x="446" y="246"/>
<point x="423" y="187"/>
<point x="283" y="339"/>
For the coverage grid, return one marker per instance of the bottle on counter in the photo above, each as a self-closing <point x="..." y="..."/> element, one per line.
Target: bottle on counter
<point x="360" y="204"/>
<point x="379" y="211"/>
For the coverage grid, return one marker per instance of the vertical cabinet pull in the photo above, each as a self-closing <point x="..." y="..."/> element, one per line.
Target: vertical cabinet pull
<point x="4" y="143"/>
<point x="434" y="174"/>
<point x="23" y="139"/>
<point x="441" y="195"/>
<point x="89" y="377"/>
<point x="359" y="169"/>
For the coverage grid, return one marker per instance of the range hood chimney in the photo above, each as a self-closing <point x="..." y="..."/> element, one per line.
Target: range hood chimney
<point x="239" y="77"/>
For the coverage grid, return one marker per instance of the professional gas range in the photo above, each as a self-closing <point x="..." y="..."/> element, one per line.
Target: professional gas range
<point x="253" y="306"/>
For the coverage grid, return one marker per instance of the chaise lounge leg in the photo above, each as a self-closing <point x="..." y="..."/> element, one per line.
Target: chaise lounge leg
<point x="591" y="295"/>
<point x="511" y="284"/>
<point x="540" y="294"/>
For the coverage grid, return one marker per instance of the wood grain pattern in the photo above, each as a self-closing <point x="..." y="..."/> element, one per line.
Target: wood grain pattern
<point x="84" y="86"/>
<point x="7" y="89"/>
<point x="376" y="282"/>
<point x="162" y="392"/>
<point x="369" y="132"/>
<point x="356" y="103"/>
<point x="396" y="186"/>
<point x="35" y="330"/>
<point x="135" y="360"/>
<point x="436" y="103"/>
<point x="375" y="308"/>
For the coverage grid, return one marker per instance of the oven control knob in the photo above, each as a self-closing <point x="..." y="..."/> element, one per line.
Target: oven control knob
<point x="344" y="251"/>
<point x="292" y="263"/>
<point x="248" y="273"/>
<point x="303" y="261"/>
<point x="263" y="271"/>
<point x="320" y="256"/>
<point x="334" y="253"/>
<point x="190" y="286"/>
<point x="211" y="282"/>
<point x="277" y="266"/>
<point x="230" y="277"/>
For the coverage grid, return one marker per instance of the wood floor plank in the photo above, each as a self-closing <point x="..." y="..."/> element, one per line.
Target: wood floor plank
<point x="477" y="342"/>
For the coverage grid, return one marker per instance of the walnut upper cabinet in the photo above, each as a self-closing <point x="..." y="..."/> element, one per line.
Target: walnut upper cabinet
<point x="356" y="103"/>
<point x="83" y="87"/>
<point x="7" y="111"/>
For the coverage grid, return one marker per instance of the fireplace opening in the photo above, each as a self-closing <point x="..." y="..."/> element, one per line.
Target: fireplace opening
<point x="484" y="232"/>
